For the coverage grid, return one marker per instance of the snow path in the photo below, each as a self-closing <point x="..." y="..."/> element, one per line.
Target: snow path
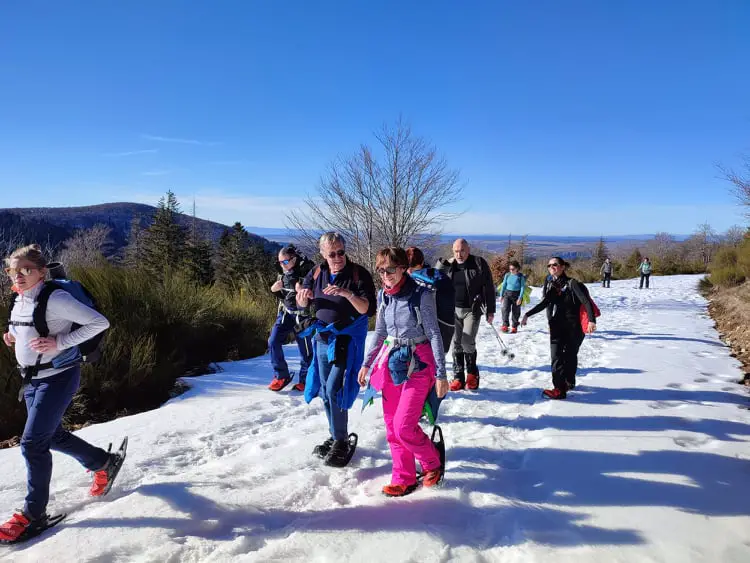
<point x="647" y="460"/>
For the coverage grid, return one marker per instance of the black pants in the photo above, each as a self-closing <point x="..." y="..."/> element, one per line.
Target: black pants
<point x="607" y="279"/>
<point x="644" y="277"/>
<point x="509" y="304"/>
<point x="564" y="344"/>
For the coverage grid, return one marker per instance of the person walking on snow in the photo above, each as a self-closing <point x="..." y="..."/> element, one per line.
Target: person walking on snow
<point x="294" y="267"/>
<point x="564" y="296"/>
<point x="472" y="280"/>
<point x="445" y="294"/>
<point x="511" y="294"/>
<point x="606" y="272"/>
<point x="645" y="270"/>
<point x="408" y="359"/>
<point x="52" y="372"/>
<point x="344" y="296"/>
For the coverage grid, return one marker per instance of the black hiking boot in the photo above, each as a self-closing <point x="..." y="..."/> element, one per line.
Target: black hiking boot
<point x="458" y="366"/>
<point x="341" y="452"/>
<point x="321" y="450"/>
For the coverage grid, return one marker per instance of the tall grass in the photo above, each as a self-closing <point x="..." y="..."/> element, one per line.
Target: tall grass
<point x="161" y="329"/>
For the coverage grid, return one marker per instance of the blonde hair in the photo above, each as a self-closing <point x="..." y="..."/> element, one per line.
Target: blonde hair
<point x="32" y="253"/>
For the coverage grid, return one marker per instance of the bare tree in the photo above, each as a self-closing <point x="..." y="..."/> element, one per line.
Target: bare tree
<point x="740" y="182"/>
<point x="86" y="247"/>
<point x="394" y="197"/>
<point x="705" y="237"/>
<point x="661" y="245"/>
<point x="734" y="235"/>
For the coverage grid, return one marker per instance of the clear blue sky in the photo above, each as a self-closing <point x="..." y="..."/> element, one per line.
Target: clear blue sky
<point x="564" y="117"/>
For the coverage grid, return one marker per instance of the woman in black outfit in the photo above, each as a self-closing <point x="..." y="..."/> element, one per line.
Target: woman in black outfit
<point x="563" y="297"/>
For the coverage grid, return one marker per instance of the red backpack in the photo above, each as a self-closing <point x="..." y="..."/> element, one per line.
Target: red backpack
<point x="584" y="316"/>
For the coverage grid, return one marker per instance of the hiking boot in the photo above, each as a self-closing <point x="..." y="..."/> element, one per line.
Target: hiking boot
<point x="321" y="450"/>
<point x="472" y="381"/>
<point x="458" y="366"/>
<point x="299" y="387"/>
<point x="398" y="490"/>
<point x="105" y="476"/>
<point x="432" y="478"/>
<point x="279" y="383"/>
<point x="504" y="328"/>
<point x="457" y="384"/>
<point x="339" y="455"/>
<point x="514" y="330"/>
<point x="15" y="527"/>
<point x="554" y="394"/>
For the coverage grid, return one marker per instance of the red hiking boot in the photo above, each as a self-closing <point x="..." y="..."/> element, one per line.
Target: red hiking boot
<point x="279" y="383"/>
<point x="554" y="393"/>
<point x="514" y="330"/>
<point x="457" y="385"/>
<point x="472" y="381"/>
<point x="432" y="478"/>
<point x="398" y="490"/>
<point x="14" y="528"/>
<point x="504" y="328"/>
<point x="299" y="387"/>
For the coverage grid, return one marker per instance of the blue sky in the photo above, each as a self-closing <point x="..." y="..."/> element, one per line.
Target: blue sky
<point x="565" y="117"/>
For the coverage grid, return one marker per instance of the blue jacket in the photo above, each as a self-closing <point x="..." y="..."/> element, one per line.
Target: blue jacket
<point x="355" y="356"/>
<point x="513" y="282"/>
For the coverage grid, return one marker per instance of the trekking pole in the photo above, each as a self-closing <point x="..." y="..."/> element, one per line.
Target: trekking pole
<point x="504" y="348"/>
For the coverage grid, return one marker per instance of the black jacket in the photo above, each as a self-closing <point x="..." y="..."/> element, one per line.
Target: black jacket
<point x="333" y="309"/>
<point x="563" y="298"/>
<point x="288" y="295"/>
<point x="478" y="280"/>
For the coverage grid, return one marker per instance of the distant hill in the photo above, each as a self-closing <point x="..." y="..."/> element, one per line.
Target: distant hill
<point x="54" y="225"/>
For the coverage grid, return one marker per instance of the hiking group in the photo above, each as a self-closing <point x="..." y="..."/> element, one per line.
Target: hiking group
<point x="422" y="312"/>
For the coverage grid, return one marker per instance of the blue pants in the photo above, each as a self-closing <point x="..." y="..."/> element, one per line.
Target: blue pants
<point x="331" y="381"/>
<point x="46" y="403"/>
<point x="281" y="328"/>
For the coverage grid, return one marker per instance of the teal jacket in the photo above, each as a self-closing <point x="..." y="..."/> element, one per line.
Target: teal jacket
<point x="645" y="268"/>
<point x="513" y="282"/>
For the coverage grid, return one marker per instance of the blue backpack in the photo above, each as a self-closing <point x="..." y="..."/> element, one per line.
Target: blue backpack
<point x="88" y="351"/>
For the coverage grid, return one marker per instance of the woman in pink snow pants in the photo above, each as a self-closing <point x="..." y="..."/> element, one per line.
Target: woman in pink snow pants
<point x="407" y="360"/>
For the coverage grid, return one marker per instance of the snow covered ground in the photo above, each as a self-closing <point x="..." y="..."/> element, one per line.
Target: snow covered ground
<point x="648" y="460"/>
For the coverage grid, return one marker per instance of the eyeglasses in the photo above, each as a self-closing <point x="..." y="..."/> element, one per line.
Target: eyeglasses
<point x="12" y="272"/>
<point x="340" y="252"/>
<point x="389" y="270"/>
<point x="553" y="265"/>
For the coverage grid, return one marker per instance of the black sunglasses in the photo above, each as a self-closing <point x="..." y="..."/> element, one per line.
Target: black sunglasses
<point x="553" y="265"/>
<point x="389" y="270"/>
<point x="340" y="252"/>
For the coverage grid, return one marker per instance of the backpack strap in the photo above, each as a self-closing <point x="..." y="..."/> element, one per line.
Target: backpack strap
<point x="316" y="273"/>
<point x="40" y="308"/>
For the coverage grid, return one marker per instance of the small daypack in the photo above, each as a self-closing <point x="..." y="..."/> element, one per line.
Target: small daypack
<point x="583" y="314"/>
<point x="445" y="293"/>
<point x="90" y="350"/>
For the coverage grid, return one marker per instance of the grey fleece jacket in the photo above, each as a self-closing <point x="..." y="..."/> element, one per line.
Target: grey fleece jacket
<point x="397" y="320"/>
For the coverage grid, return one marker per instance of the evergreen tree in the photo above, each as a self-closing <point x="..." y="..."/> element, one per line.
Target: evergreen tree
<point x="198" y="261"/>
<point x="634" y="260"/>
<point x="601" y="253"/>
<point x="163" y="244"/>
<point x="241" y="260"/>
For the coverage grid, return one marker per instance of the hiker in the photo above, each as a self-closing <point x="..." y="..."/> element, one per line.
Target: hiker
<point x="645" y="270"/>
<point x="606" y="272"/>
<point x="293" y="267"/>
<point x="441" y="287"/>
<point x="472" y="281"/>
<point x="511" y="295"/>
<point x="344" y="297"/>
<point x="408" y="360"/>
<point x="51" y="369"/>
<point x="564" y="296"/>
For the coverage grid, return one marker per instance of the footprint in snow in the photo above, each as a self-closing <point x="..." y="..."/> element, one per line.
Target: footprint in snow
<point x="692" y="441"/>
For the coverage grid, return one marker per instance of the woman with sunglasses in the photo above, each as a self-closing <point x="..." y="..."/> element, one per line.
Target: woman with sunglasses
<point x="407" y="355"/>
<point x="293" y="270"/>
<point x="50" y="389"/>
<point x="564" y="296"/>
<point x="343" y="294"/>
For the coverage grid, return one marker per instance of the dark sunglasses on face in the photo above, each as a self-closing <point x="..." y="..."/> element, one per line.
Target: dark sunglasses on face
<point x="389" y="270"/>
<point x="553" y="265"/>
<point x="23" y="271"/>
<point x="340" y="252"/>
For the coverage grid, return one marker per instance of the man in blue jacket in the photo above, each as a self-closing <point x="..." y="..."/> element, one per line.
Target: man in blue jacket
<point x="343" y="294"/>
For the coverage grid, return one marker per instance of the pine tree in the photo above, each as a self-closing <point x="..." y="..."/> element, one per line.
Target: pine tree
<point x="634" y="260"/>
<point x="198" y="265"/>
<point x="601" y="253"/>
<point x="134" y="248"/>
<point x="164" y="242"/>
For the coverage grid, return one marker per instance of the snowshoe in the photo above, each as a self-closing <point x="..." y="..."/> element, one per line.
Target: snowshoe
<point x="399" y="490"/>
<point x="279" y="383"/>
<point x="436" y="476"/>
<point x="321" y="450"/>
<point x="342" y="451"/>
<point x="20" y="529"/>
<point x="105" y="478"/>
